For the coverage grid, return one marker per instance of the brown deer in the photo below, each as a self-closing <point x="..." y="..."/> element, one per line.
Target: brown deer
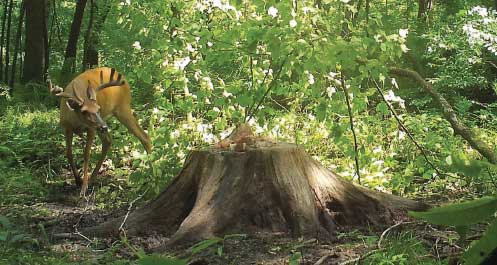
<point x="85" y="105"/>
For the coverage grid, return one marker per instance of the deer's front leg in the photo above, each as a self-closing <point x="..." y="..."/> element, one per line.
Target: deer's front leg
<point x="106" y="143"/>
<point x="70" y="158"/>
<point x="90" y="136"/>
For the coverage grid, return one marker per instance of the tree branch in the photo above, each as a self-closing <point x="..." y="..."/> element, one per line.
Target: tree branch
<point x="449" y="114"/>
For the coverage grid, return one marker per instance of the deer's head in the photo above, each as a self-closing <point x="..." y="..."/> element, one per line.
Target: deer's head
<point x="81" y="98"/>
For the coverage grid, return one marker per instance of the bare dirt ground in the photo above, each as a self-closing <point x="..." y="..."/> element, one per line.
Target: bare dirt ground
<point x="67" y="213"/>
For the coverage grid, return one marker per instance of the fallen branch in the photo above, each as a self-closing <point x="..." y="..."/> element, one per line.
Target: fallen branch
<point x="449" y="114"/>
<point x="324" y="258"/>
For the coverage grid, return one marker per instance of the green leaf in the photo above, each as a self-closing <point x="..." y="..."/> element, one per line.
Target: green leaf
<point x="321" y="111"/>
<point x="382" y="108"/>
<point x="469" y="167"/>
<point x="4" y="221"/>
<point x="202" y="245"/>
<point x="462" y="231"/>
<point x="244" y="100"/>
<point x="4" y="235"/>
<point x="460" y="214"/>
<point x="295" y="258"/>
<point x="482" y="248"/>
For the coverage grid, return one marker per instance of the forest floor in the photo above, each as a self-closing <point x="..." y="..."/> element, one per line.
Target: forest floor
<point x="63" y="211"/>
<point x="37" y="202"/>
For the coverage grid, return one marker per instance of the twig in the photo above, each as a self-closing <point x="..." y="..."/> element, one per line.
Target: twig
<point x="121" y="227"/>
<point x="405" y="129"/>
<point x="248" y="112"/>
<point x="388" y="230"/>
<point x="351" y="119"/>
<point x="324" y="258"/>
<point x="358" y="259"/>
<point x="270" y="86"/>
<point x="492" y="178"/>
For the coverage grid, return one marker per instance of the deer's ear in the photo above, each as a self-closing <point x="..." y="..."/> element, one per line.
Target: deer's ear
<point x="73" y="104"/>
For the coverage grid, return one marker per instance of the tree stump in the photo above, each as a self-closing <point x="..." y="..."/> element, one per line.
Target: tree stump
<point x="254" y="186"/>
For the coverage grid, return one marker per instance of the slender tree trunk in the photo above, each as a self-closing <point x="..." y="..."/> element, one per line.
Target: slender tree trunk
<point x="98" y="16"/>
<point x="46" y="8"/>
<point x="424" y="7"/>
<point x="69" y="65"/>
<point x="7" y="44"/>
<point x="34" y="61"/>
<point x="17" y="47"/>
<point x="2" y="37"/>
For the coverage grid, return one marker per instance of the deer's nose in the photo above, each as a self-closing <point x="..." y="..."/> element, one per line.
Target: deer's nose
<point x="103" y="128"/>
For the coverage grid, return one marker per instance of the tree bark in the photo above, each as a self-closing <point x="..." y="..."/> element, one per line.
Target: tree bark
<point x="17" y="45"/>
<point x="449" y="114"/>
<point x="68" y="68"/>
<point x="2" y="36"/>
<point x="46" y="8"/>
<point x="34" y="61"/>
<point x="7" y="44"/>
<point x="263" y="186"/>
<point x="98" y="16"/>
<point x="424" y="7"/>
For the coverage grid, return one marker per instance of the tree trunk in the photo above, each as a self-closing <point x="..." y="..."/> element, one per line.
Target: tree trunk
<point x="7" y="44"/>
<point x="68" y="68"/>
<point x="17" y="45"/>
<point x="34" y="61"/>
<point x="98" y="16"/>
<point x="424" y="7"/>
<point x="263" y="186"/>
<point x="46" y="8"/>
<point x="2" y="37"/>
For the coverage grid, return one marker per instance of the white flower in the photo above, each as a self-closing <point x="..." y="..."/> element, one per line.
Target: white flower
<point x="377" y="38"/>
<point x="311" y="79"/>
<point x="155" y="111"/>
<point x="227" y="94"/>
<point x="344" y="1"/>
<point x="189" y="47"/>
<point x="330" y="91"/>
<point x="403" y="33"/>
<point x="137" y="45"/>
<point x="182" y="63"/>
<point x="481" y="11"/>
<point x="272" y="11"/>
<point x="293" y="23"/>
<point x="207" y="83"/>
<point x="209" y="44"/>
<point x="128" y="2"/>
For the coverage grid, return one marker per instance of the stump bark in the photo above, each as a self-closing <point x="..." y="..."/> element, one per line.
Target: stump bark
<point x="275" y="187"/>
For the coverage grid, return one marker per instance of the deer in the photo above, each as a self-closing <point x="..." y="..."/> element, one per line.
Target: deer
<point x="86" y="103"/>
